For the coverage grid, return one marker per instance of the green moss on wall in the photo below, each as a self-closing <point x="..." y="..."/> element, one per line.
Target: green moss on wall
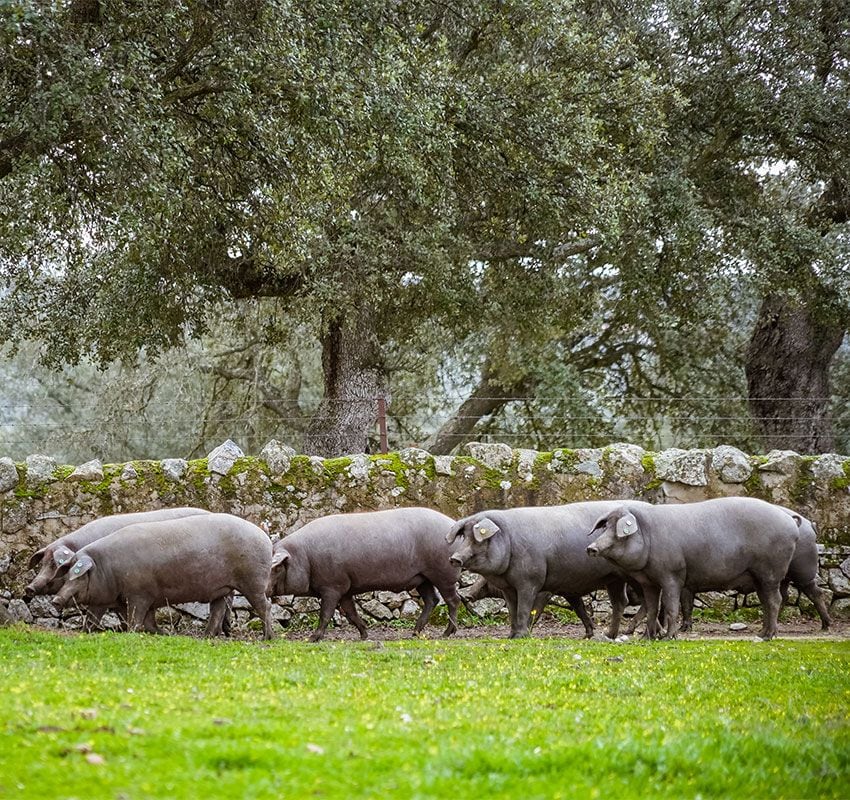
<point x="801" y="491"/>
<point x="647" y="461"/>
<point x="754" y="485"/>
<point x="842" y="482"/>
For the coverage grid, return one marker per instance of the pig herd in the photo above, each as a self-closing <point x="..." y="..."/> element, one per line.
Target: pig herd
<point x="136" y="563"/>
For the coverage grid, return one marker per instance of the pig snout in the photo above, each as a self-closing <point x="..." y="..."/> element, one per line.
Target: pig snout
<point x="59" y="601"/>
<point x="29" y="591"/>
<point x="456" y="560"/>
<point x="593" y="549"/>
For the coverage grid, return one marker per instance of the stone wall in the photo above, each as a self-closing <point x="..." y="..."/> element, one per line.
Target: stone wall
<point x="41" y="500"/>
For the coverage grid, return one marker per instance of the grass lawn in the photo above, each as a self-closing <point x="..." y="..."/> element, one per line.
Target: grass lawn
<point x="130" y="716"/>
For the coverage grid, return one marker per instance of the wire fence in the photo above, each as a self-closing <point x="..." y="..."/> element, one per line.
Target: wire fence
<point x="542" y="423"/>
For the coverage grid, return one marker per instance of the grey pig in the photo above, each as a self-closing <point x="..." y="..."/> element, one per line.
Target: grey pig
<point x="802" y="573"/>
<point x="153" y="564"/>
<point x="724" y="543"/>
<point x="51" y="557"/>
<point x="338" y="556"/>
<point x="525" y="551"/>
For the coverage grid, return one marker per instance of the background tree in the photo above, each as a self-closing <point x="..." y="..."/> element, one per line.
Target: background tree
<point x="587" y="200"/>
<point x="764" y="138"/>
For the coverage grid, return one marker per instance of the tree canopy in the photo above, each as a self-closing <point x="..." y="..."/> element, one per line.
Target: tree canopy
<point x="572" y="196"/>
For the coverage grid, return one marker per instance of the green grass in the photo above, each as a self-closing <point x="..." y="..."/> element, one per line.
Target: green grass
<point x="175" y="717"/>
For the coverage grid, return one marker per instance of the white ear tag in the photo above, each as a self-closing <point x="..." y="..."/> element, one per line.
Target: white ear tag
<point x="484" y="529"/>
<point x="81" y="567"/>
<point x="626" y="526"/>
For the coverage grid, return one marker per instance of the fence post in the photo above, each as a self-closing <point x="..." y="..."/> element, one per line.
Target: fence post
<point x="382" y="422"/>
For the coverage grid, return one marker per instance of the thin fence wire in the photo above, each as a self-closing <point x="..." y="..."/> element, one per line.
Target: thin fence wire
<point x="654" y="422"/>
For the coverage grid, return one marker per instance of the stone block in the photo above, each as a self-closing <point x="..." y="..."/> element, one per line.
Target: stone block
<point x="223" y="457"/>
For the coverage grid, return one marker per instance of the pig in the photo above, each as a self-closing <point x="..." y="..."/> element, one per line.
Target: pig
<point x="51" y="557"/>
<point x="54" y="555"/>
<point x="724" y="543"/>
<point x="525" y="551"/>
<point x="802" y="573"/>
<point x="338" y="556"/>
<point x="200" y="558"/>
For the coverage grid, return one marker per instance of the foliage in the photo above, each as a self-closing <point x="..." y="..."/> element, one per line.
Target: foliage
<point x="581" y="199"/>
<point x="238" y="382"/>
<point x="98" y="716"/>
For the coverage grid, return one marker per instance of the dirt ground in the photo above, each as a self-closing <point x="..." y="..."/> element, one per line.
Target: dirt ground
<point x="549" y="627"/>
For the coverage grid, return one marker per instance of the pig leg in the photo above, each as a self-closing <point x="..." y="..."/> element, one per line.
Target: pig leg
<point x="346" y="603"/>
<point x="636" y="619"/>
<point x="672" y="595"/>
<point x="770" y="598"/>
<point x="511" y="601"/>
<point x="329" y="601"/>
<point x="137" y="614"/>
<point x="651" y="596"/>
<point x="577" y="605"/>
<point x="429" y="603"/>
<point x="452" y="598"/>
<point x="617" y="594"/>
<point x="150" y="622"/>
<point x="256" y="596"/>
<point x="542" y="600"/>
<point x="525" y="598"/>
<point x="218" y="608"/>
<point x="815" y="594"/>
<point x="225" y="620"/>
<point x="687" y="600"/>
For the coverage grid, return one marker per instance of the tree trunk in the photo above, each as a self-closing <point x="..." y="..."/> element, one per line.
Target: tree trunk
<point x="787" y="370"/>
<point x="353" y="381"/>
<point x="486" y="399"/>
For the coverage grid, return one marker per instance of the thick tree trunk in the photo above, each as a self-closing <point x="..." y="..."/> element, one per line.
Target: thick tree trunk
<point x="787" y="368"/>
<point x="486" y="399"/>
<point x="353" y="381"/>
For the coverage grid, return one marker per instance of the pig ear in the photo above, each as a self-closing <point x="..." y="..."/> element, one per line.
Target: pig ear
<point x="35" y="558"/>
<point x="455" y="531"/>
<point x="484" y="529"/>
<point x="83" y="565"/>
<point x="626" y="526"/>
<point x="62" y="556"/>
<point x="280" y="557"/>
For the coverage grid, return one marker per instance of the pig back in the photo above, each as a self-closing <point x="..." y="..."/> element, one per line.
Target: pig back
<point x="555" y="539"/>
<point x="190" y="558"/>
<point x="372" y="543"/>
<point x="99" y="528"/>
<point x="720" y="540"/>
